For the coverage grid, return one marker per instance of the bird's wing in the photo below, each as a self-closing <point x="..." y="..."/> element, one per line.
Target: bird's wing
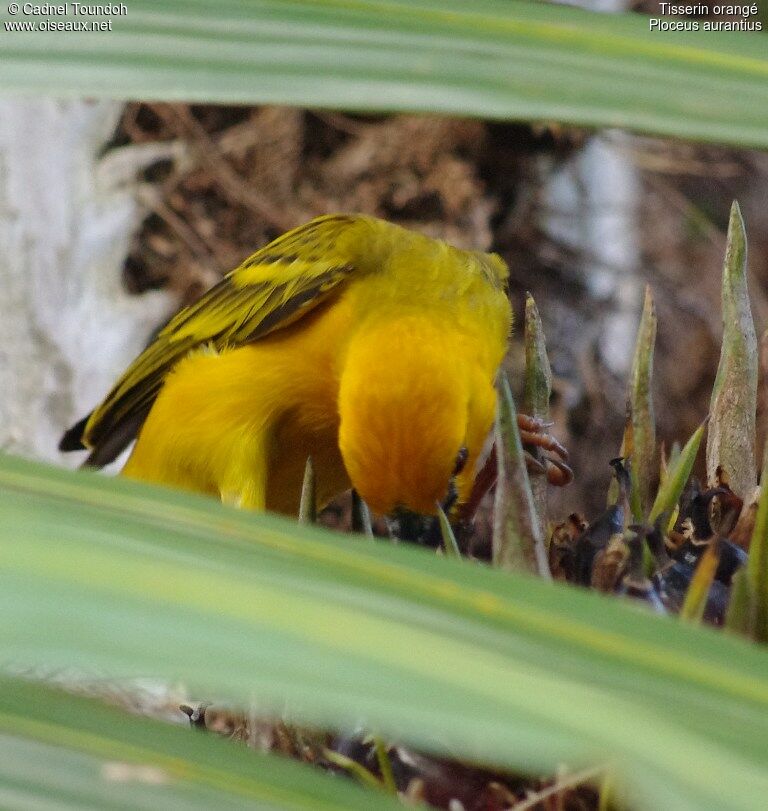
<point x="273" y="288"/>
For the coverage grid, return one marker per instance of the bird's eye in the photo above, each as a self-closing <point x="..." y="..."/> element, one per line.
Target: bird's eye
<point x="461" y="460"/>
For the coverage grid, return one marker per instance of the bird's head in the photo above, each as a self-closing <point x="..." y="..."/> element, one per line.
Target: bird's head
<point x="415" y="411"/>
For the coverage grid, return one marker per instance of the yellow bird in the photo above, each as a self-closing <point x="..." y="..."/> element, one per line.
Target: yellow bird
<point x="366" y="346"/>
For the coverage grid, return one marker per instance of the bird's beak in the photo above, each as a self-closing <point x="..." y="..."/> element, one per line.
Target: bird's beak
<point x="414" y="527"/>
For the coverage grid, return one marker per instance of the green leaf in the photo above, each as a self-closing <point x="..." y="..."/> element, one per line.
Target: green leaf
<point x="385" y="765"/>
<point x="499" y="59"/>
<point x="354" y="769"/>
<point x="667" y="461"/>
<point x="738" y="617"/>
<point x="696" y="596"/>
<point x="757" y="566"/>
<point x="66" y="752"/>
<point x="641" y="422"/>
<point x="518" y="542"/>
<point x="308" y="499"/>
<point x="361" y="516"/>
<point x="731" y="434"/>
<point x="450" y="544"/>
<point x="113" y="576"/>
<point x="538" y="374"/>
<point x="537" y="390"/>
<point x="678" y="472"/>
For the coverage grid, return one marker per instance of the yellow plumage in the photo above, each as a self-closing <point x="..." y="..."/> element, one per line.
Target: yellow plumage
<point x="368" y="347"/>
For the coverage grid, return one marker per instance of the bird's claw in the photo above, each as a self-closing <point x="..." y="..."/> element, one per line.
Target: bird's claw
<point x="533" y="434"/>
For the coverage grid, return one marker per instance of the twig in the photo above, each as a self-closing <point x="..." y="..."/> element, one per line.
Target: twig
<point x="196" y="245"/>
<point x="571" y="781"/>
<point x="228" y="179"/>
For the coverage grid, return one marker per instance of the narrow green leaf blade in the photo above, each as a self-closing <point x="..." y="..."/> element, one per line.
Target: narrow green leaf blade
<point x="640" y="409"/>
<point x="696" y="596"/>
<point x="678" y="472"/>
<point x="450" y="544"/>
<point x="757" y="566"/>
<point x="361" y="516"/>
<point x="731" y="434"/>
<point x="501" y="59"/>
<point x="739" y="607"/>
<point x="308" y="498"/>
<point x="518" y="543"/>
<point x="537" y="390"/>
<point x="538" y="373"/>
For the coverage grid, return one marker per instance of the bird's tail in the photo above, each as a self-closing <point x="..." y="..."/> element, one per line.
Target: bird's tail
<point x="112" y="426"/>
<point x="73" y="438"/>
<point x="110" y="446"/>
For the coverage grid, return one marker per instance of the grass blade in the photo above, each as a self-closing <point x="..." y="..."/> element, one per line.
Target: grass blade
<point x="354" y="769"/>
<point x="450" y="544"/>
<point x="308" y="499"/>
<point x="518" y="544"/>
<point x="696" y="596"/>
<point x="641" y="419"/>
<point x="739" y="607"/>
<point x="757" y="567"/>
<point x="748" y="610"/>
<point x="678" y="472"/>
<point x="361" y="516"/>
<point x="537" y="390"/>
<point x="731" y="434"/>
<point x="385" y="765"/>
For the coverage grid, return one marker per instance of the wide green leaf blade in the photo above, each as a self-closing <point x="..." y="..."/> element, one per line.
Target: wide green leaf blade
<point x="117" y="577"/>
<point x="61" y="751"/>
<point x="501" y="59"/>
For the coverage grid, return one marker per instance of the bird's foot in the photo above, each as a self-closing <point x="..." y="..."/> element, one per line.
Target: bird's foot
<point x="554" y="465"/>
